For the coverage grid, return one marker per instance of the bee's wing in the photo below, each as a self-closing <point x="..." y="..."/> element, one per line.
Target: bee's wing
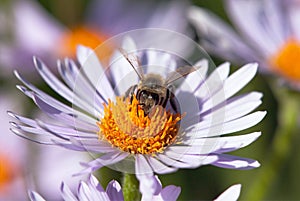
<point x="134" y="62"/>
<point x="180" y="72"/>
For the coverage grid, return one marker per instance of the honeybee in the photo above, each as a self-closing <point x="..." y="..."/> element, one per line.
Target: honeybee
<point x="153" y="89"/>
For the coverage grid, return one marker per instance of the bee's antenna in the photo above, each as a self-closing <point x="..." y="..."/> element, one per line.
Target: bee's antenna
<point x="125" y="54"/>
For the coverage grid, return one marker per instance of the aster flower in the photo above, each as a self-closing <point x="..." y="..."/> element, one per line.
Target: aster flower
<point x="268" y="32"/>
<point x="35" y="32"/>
<point x="151" y="189"/>
<point x="118" y="133"/>
<point x="65" y="162"/>
<point x="12" y="163"/>
<point x="20" y="169"/>
<point x="92" y="190"/>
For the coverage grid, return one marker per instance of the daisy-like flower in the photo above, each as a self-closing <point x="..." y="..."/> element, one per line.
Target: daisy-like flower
<point x="268" y="32"/>
<point x="93" y="191"/>
<point x="12" y="164"/>
<point x="35" y="32"/>
<point x="104" y="122"/>
<point x="151" y="190"/>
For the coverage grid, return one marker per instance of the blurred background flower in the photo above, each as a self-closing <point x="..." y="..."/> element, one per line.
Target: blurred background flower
<point x="267" y="32"/>
<point x="13" y="155"/>
<point x="29" y="29"/>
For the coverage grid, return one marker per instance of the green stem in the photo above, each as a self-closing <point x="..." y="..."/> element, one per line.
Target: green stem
<point x="130" y="188"/>
<point x="284" y="136"/>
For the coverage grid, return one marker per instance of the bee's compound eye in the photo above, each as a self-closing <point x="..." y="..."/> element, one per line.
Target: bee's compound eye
<point x="144" y="94"/>
<point x="154" y="96"/>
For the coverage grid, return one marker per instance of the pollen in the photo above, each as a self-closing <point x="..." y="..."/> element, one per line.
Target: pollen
<point x="286" y="61"/>
<point x="126" y="126"/>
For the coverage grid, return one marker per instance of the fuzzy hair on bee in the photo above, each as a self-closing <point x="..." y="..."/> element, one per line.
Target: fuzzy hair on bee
<point x="153" y="89"/>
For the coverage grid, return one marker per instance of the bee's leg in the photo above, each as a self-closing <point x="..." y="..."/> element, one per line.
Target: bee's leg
<point x="130" y="92"/>
<point x="173" y="101"/>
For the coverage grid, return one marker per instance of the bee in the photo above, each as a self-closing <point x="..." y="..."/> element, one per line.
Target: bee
<point x="152" y="89"/>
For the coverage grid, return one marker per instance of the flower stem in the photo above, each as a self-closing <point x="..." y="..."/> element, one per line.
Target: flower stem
<point x="280" y="148"/>
<point x="130" y="188"/>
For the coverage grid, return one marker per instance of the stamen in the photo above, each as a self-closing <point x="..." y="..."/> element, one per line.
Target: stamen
<point x="287" y="61"/>
<point x="126" y="126"/>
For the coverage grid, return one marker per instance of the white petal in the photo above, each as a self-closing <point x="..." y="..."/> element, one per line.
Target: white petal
<point x="128" y="44"/>
<point x="84" y="193"/>
<point x="171" y="162"/>
<point x="96" y="190"/>
<point x="294" y="16"/>
<point x="29" y="15"/>
<point x="217" y="37"/>
<point x="158" y="62"/>
<point x="149" y="186"/>
<point x="59" y="87"/>
<point x="232" y="85"/>
<point x="122" y="72"/>
<point x="215" y="144"/>
<point x="35" y="196"/>
<point x="104" y="160"/>
<point x="193" y="80"/>
<point x="142" y="166"/>
<point x="209" y="129"/>
<point x="66" y="193"/>
<point x="230" y="194"/>
<point x="158" y="167"/>
<point x="253" y="23"/>
<point x="214" y="82"/>
<point x="235" y="107"/>
<point x="94" y="71"/>
<point x="192" y="160"/>
<point x="190" y="103"/>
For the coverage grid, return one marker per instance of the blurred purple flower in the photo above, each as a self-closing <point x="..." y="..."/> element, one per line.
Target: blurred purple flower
<point x="268" y="32"/>
<point x="13" y="156"/>
<point x="151" y="189"/>
<point x="93" y="191"/>
<point x="46" y="175"/>
<point x="211" y="112"/>
<point x="23" y="165"/>
<point x="36" y="32"/>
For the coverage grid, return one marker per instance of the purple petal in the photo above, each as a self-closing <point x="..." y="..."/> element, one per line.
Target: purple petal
<point x="114" y="191"/>
<point x="67" y="193"/>
<point x="105" y="160"/>
<point x="170" y="193"/>
<point x="142" y="166"/>
<point x="159" y="167"/>
<point x="235" y="162"/>
<point x="35" y="196"/>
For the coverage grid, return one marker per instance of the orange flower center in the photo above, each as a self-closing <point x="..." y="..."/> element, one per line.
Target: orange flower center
<point x="83" y="35"/>
<point x="287" y="61"/>
<point x="7" y="172"/>
<point x="126" y="126"/>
